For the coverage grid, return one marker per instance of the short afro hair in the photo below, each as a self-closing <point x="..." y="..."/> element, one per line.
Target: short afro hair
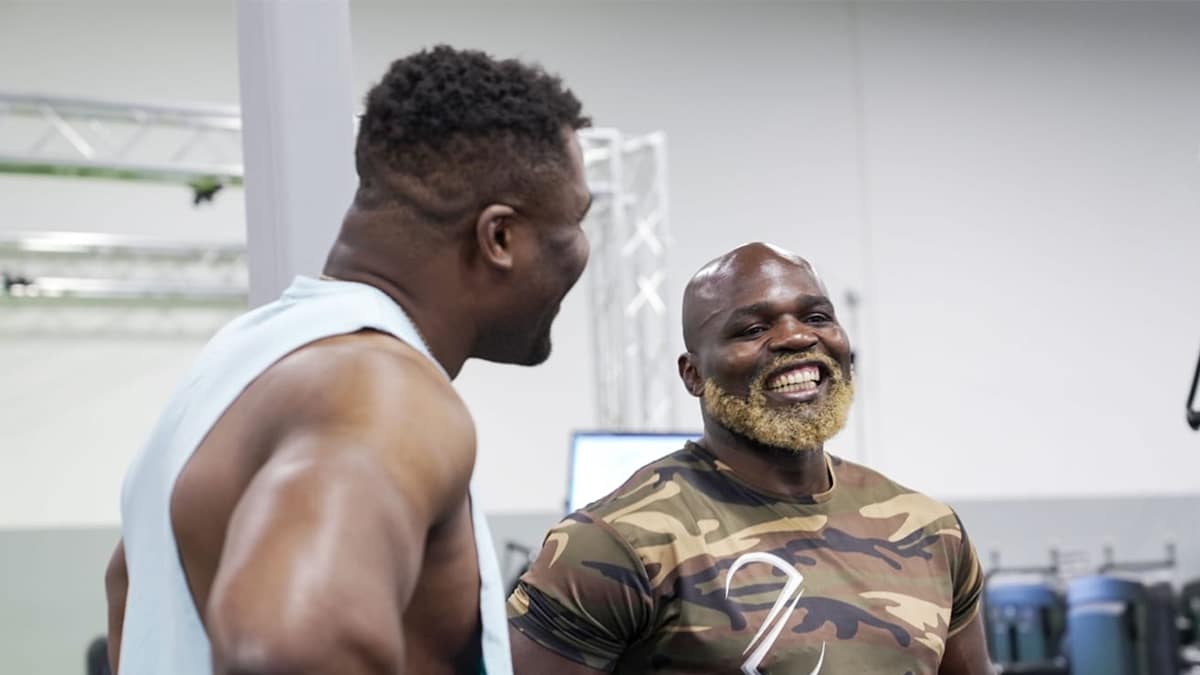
<point x="448" y="131"/>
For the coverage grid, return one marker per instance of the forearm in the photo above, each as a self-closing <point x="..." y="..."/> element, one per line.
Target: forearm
<point x="966" y="652"/>
<point x="116" y="587"/>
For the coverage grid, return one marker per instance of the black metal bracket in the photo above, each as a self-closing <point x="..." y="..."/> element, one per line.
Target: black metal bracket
<point x="1111" y="565"/>
<point x="1193" y="413"/>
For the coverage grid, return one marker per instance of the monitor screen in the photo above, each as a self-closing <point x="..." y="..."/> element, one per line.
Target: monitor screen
<point x="601" y="461"/>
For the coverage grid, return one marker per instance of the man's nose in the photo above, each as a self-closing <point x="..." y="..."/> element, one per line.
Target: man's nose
<point x="793" y="335"/>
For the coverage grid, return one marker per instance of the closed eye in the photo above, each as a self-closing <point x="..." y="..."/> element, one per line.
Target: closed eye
<point x="818" y="317"/>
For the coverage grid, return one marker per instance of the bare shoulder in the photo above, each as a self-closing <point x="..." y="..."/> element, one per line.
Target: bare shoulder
<point x="370" y="393"/>
<point x="366" y="373"/>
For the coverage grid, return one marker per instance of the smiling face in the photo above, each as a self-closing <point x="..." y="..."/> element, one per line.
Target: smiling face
<point x="555" y="262"/>
<point x="548" y="251"/>
<point x="766" y="354"/>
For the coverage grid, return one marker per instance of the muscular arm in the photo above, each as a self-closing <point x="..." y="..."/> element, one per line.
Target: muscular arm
<point x="966" y="652"/>
<point x="116" y="584"/>
<point x="325" y="546"/>
<point x="530" y="658"/>
<point x="320" y="560"/>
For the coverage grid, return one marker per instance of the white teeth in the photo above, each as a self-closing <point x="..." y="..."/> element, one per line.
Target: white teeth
<point x="797" y="386"/>
<point x="806" y="375"/>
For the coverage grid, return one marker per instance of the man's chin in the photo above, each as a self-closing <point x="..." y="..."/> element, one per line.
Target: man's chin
<point x="794" y="441"/>
<point x="539" y="353"/>
<point x="532" y="354"/>
<point x="793" y="427"/>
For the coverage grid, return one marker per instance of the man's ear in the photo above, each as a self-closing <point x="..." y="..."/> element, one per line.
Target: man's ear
<point x="494" y="235"/>
<point x="690" y="374"/>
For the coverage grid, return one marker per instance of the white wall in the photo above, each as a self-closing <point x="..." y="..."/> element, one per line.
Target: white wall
<point x="1012" y="186"/>
<point x="1034" y="188"/>
<point x="74" y="410"/>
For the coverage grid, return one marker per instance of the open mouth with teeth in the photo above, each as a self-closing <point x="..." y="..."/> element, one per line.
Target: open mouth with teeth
<point x="799" y="381"/>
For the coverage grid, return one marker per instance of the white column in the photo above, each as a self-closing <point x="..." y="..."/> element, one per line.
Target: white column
<point x="297" y="135"/>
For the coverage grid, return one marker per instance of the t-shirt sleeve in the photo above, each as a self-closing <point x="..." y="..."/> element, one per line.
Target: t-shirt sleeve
<point x="968" y="584"/>
<point x="586" y="597"/>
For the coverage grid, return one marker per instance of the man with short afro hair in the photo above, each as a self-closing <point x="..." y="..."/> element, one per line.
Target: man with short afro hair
<point x="446" y="131"/>
<point x="303" y="504"/>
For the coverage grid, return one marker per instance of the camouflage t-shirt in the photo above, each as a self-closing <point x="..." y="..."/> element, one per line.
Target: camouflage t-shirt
<point x="686" y="569"/>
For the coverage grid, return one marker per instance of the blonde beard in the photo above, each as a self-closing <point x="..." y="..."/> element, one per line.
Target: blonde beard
<point x="796" y="428"/>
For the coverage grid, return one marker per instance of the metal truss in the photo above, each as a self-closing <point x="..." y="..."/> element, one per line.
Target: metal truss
<point x="72" y="282"/>
<point x="61" y="136"/>
<point x="92" y="284"/>
<point x="627" y="227"/>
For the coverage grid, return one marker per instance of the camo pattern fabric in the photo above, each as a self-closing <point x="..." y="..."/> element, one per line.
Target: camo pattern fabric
<point x="686" y="569"/>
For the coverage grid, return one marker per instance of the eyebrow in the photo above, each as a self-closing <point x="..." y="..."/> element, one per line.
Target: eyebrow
<point x="757" y="309"/>
<point x="760" y="308"/>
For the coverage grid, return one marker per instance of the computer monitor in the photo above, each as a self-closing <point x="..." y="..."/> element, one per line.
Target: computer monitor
<point x="601" y="461"/>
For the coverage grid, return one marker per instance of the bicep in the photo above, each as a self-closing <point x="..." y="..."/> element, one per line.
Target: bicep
<point x="968" y="582"/>
<point x="586" y="598"/>
<point x="966" y="651"/>
<point x="966" y="647"/>
<point x="320" y="558"/>
<point x="531" y="658"/>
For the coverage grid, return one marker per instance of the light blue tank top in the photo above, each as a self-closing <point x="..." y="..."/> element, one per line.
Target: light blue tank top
<point x="162" y="631"/>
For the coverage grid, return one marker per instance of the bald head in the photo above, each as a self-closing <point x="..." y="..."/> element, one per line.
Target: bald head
<point x="712" y="287"/>
<point x="752" y="319"/>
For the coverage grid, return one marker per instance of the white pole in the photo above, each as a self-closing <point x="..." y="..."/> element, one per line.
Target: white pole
<point x="297" y="135"/>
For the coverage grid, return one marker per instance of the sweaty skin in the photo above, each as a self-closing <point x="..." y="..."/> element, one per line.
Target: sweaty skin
<point x="324" y="524"/>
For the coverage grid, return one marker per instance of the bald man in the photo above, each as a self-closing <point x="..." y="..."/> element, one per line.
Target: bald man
<point x="753" y="550"/>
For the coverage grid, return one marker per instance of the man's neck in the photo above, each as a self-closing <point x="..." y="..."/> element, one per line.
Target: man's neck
<point x="445" y="337"/>
<point x="795" y="473"/>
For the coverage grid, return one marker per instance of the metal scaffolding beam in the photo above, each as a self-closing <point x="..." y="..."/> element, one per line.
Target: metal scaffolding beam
<point x="66" y="266"/>
<point x="628" y="228"/>
<point x="72" y="284"/>
<point x="50" y="135"/>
